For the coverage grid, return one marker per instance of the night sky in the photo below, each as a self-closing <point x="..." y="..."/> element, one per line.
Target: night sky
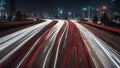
<point x="52" y="5"/>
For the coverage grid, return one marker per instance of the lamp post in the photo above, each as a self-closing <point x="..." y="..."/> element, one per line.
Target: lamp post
<point x="104" y="8"/>
<point x="101" y="10"/>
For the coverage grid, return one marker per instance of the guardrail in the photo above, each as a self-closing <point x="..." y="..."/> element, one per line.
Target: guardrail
<point x="14" y="23"/>
<point x="112" y="29"/>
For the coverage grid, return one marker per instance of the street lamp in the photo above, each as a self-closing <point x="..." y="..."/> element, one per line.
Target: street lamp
<point x="104" y="7"/>
<point x="101" y="10"/>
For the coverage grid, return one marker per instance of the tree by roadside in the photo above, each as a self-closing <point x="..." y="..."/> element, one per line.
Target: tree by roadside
<point x="104" y="19"/>
<point x="95" y="19"/>
<point x="18" y="16"/>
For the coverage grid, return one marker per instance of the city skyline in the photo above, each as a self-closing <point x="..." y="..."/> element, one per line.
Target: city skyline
<point x="52" y="6"/>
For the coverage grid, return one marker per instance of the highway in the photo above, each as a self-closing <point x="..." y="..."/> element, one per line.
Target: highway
<point x="9" y="27"/>
<point x="110" y="38"/>
<point x="60" y="44"/>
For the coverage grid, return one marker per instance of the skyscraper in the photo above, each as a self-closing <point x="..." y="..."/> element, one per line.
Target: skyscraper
<point x="12" y="7"/>
<point x="60" y="13"/>
<point x="116" y="6"/>
<point x="2" y="9"/>
<point x="116" y="10"/>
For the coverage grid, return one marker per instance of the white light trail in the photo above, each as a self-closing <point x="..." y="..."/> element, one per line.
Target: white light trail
<point x="98" y="49"/>
<point x="12" y="38"/>
<point x="33" y="33"/>
<point x="53" y="34"/>
<point x="56" y="56"/>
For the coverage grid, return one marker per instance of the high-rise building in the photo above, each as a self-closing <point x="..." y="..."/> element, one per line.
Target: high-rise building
<point x="2" y="9"/>
<point x="60" y="13"/>
<point x="116" y="11"/>
<point x="70" y="15"/>
<point x="46" y="14"/>
<point x="12" y="7"/>
<point x="116" y="6"/>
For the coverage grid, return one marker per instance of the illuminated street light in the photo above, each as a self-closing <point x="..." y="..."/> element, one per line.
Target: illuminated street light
<point x="104" y="7"/>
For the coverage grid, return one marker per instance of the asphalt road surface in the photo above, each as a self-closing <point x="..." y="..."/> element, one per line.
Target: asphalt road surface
<point x="57" y="44"/>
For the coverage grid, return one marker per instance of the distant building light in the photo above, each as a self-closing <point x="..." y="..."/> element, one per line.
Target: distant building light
<point x="61" y="11"/>
<point x="97" y="9"/>
<point x="69" y="13"/>
<point x="84" y="9"/>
